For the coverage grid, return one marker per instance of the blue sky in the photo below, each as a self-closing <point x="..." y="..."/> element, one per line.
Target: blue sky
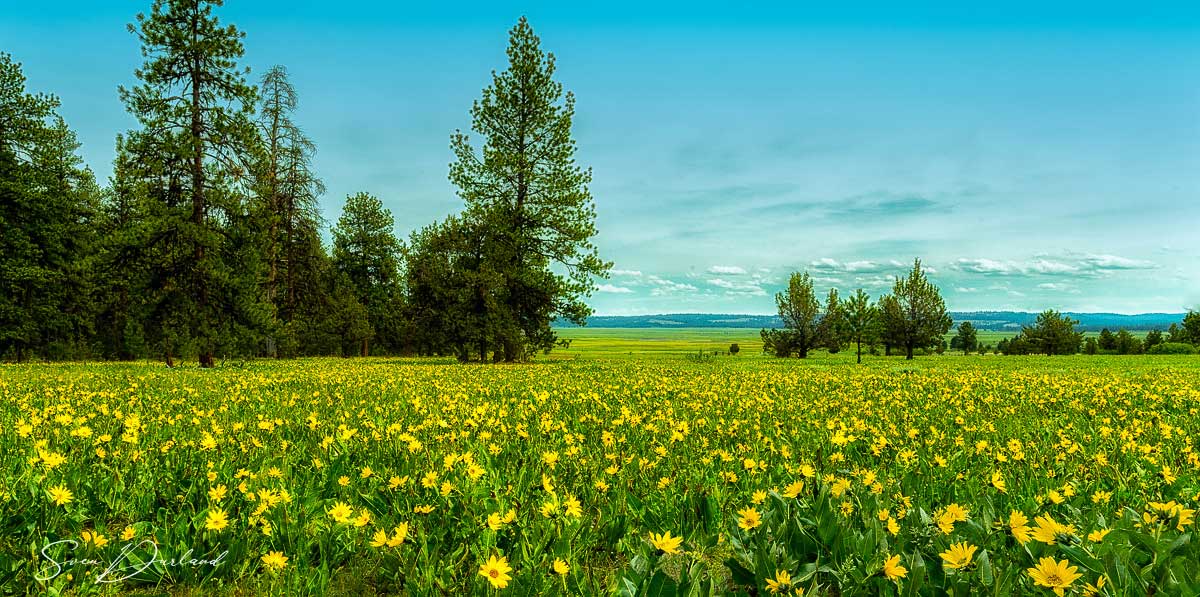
<point x="1033" y="156"/>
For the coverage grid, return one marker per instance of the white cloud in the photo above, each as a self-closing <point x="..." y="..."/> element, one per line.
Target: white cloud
<point x="727" y="270"/>
<point x="876" y="281"/>
<point x="609" y="288"/>
<point x="966" y="290"/>
<point x="1116" y="262"/>
<point x="986" y="266"/>
<point x="1058" y="287"/>
<point x="663" y="286"/>
<point x="737" y="287"/>
<point x="1045" y="266"/>
<point x="1071" y="264"/>
<point x="626" y="272"/>
<point x="862" y="266"/>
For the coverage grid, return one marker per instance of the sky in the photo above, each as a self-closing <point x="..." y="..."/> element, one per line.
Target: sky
<point x="1034" y="155"/>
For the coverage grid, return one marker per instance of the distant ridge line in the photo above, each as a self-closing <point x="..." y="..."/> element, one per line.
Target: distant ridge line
<point x="983" y="320"/>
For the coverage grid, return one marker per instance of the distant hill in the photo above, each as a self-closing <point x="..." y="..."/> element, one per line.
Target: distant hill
<point x="983" y="320"/>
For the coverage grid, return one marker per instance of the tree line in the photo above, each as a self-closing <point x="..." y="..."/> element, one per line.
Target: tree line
<point x="1055" y="334"/>
<point x="207" y="241"/>
<point x="913" y="317"/>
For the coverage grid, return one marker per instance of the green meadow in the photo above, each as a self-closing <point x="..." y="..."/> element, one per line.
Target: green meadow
<point x="631" y="342"/>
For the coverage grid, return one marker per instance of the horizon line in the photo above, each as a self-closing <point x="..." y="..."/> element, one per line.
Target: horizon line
<point x="1184" y="312"/>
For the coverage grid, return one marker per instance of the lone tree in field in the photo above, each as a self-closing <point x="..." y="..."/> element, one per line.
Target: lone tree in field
<point x="966" y="339"/>
<point x="194" y="107"/>
<point x="531" y="198"/>
<point x="861" y="321"/>
<point x="800" y="311"/>
<point x="366" y="251"/>
<point x="918" y="317"/>
<point x="1053" y="333"/>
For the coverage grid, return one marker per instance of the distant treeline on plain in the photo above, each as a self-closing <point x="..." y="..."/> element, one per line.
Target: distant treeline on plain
<point x="997" y="321"/>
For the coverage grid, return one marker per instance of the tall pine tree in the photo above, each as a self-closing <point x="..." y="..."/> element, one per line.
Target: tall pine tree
<point x="915" y="315"/>
<point x="194" y="146"/>
<point x="366" y="251"/>
<point x="48" y="205"/>
<point x="530" y="197"/>
<point x="287" y="209"/>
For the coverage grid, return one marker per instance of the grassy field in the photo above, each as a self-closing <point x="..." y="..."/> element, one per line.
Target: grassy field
<point x="638" y="342"/>
<point x="943" y="475"/>
<point x="616" y="342"/>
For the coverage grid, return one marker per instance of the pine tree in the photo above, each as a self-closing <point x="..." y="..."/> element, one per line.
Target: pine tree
<point x="832" y="330"/>
<point x="966" y="339"/>
<point x="366" y="251"/>
<point x="800" y="311"/>
<point x="1053" y="333"/>
<point x="328" y="318"/>
<point x="891" y="323"/>
<point x="48" y="204"/>
<point x="451" y="292"/>
<point x="287" y="208"/>
<point x="530" y="198"/>
<point x="861" y="321"/>
<point x="918" y="318"/>
<point x="121" y="273"/>
<point x="194" y="149"/>
<point x="1189" y="329"/>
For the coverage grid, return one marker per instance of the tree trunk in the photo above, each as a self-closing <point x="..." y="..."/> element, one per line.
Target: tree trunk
<point x="290" y="252"/>
<point x="273" y="204"/>
<point x="908" y="352"/>
<point x="517" y="246"/>
<point x="197" y="133"/>
<point x="363" y="350"/>
<point x="860" y="352"/>
<point x="170" y="359"/>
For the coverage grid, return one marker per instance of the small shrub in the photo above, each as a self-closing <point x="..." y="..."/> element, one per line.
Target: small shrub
<point x="1172" y="348"/>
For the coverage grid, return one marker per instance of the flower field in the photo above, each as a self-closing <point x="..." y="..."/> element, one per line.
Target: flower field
<point x="965" y="476"/>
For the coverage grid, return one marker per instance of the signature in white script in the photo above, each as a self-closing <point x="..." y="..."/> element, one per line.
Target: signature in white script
<point x="119" y="569"/>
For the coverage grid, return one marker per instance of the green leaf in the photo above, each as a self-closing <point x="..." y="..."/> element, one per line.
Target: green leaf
<point x="741" y="575"/>
<point x="984" y="564"/>
<point x="661" y="585"/>
<point x="916" y="575"/>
